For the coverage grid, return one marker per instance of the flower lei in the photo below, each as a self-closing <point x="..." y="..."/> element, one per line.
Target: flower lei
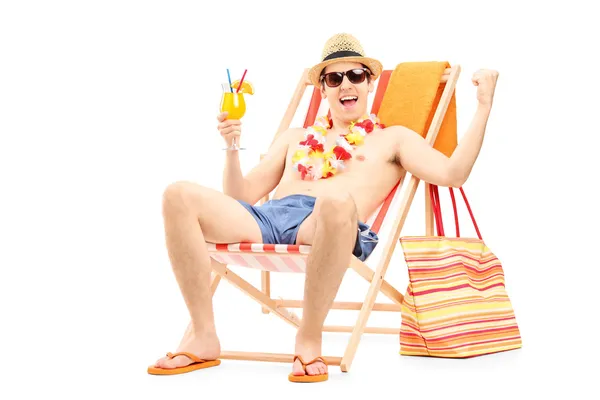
<point x="311" y="159"/>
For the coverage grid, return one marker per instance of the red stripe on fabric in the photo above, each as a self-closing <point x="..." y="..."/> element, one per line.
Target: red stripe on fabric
<point x="313" y="108"/>
<point x="384" y="209"/>
<point x="450" y="289"/>
<point x="438" y="239"/>
<point x="291" y="264"/>
<point x="471" y="333"/>
<point x="408" y="325"/>
<point x="450" y="266"/>
<point x="497" y="298"/>
<point x="269" y="248"/>
<point x="266" y="262"/>
<point x="456" y="253"/>
<point x="441" y="278"/>
<point x="482" y="321"/>
<point x="293" y="248"/>
<point x="384" y="79"/>
<point x="413" y="334"/>
<point x="222" y="247"/>
<point x="476" y="343"/>
<point x="238" y="260"/>
<point x="245" y="246"/>
<point x="413" y="345"/>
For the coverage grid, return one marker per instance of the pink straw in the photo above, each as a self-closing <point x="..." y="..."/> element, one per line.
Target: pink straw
<point x="241" y="81"/>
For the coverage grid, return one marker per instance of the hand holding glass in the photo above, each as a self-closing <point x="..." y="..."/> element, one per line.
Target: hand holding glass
<point x="233" y="103"/>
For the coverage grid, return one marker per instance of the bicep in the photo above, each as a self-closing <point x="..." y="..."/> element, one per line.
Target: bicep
<point x="422" y="160"/>
<point x="264" y="177"/>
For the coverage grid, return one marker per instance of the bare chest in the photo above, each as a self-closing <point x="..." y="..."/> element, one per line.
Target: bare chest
<point x="376" y="151"/>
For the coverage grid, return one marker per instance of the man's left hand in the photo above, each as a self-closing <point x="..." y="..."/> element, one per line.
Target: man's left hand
<point x="485" y="80"/>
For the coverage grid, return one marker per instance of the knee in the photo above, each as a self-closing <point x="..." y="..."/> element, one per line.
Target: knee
<point x="176" y="196"/>
<point x="338" y="209"/>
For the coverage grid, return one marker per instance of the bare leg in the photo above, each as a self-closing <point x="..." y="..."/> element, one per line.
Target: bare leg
<point x="194" y="215"/>
<point x="334" y="221"/>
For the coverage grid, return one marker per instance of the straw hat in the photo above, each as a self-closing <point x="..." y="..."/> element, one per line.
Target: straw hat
<point x="343" y="47"/>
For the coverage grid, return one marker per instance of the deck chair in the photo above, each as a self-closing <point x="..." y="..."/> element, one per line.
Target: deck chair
<point x="387" y="221"/>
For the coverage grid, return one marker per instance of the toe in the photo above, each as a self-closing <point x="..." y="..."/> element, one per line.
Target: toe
<point x="317" y="368"/>
<point x="182" y="361"/>
<point x="297" y="368"/>
<point x="158" y="362"/>
<point x="312" y="370"/>
<point x="176" y="362"/>
<point x="322" y="369"/>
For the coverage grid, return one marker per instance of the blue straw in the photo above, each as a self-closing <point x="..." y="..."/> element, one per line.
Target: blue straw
<point x="229" y="77"/>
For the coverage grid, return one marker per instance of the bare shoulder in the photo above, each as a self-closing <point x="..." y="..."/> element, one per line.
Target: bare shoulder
<point x="395" y="134"/>
<point x="294" y="133"/>
<point x="403" y="135"/>
<point x="398" y="130"/>
<point x="290" y="135"/>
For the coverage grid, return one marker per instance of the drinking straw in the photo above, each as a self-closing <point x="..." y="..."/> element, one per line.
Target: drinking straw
<point x="241" y="81"/>
<point x="229" y="78"/>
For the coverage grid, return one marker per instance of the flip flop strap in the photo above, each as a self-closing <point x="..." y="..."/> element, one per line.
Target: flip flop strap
<point x="184" y="353"/>
<point x="304" y="364"/>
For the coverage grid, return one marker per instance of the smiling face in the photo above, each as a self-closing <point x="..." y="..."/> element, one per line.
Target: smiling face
<point x="348" y="101"/>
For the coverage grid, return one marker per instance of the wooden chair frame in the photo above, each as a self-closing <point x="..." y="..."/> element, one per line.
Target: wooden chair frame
<point x="376" y="279"/>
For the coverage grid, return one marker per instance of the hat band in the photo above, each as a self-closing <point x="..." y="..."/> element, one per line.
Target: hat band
<point x="340" y="54"/>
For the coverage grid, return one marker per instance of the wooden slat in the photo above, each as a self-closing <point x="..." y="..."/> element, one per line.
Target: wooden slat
<point x="215" y="283"/>
<point x="363" y="270"/>
<point x="385" y="331"/>
<point x="256" y="294"/>
<point x="270" y="357"/>
<point x="342" y="305"/>
<point x="398" y="224"/>
<point x="294" y="103"/>
<point x="265" y="281"/>
<point x="445" y="77"/>
<point x="428" y="212"/>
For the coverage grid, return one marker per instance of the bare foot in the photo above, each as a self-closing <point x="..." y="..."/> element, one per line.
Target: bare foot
<point x="203" y="345"/>
<point x="308" y="349"/>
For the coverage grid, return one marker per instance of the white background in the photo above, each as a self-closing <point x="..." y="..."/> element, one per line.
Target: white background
<point x="103" y="104"/>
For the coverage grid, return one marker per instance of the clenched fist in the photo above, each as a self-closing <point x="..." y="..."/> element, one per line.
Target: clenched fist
<point x="230" y="129"/>
<point x="485" y="80"/>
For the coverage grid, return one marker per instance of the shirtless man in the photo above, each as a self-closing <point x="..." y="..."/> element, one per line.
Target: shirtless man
<point x="324" y="213"/>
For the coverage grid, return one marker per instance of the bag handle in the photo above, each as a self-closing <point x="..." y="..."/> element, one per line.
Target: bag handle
<point x="437" y="211"/>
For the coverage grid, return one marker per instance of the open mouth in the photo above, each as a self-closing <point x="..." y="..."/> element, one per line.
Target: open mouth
<point x="348" y="101"/>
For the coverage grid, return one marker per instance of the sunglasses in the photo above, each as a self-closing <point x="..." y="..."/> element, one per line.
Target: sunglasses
<point x="355" y="76"/>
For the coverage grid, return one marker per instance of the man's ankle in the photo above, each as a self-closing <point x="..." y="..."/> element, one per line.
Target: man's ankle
<point x="309" y="336"/>
<point x="203" y="331"/>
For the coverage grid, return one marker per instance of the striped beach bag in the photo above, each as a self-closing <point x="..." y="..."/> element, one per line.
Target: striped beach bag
<point x="456" y="304"/>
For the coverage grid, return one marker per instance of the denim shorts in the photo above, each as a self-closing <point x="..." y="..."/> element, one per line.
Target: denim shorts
<point x="279" y="221"/>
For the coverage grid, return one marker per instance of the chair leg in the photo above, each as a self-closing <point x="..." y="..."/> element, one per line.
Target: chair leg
<point x="214" y="283"/>
<point x="266" y="287"/>
<point x="377" y="280"/>
<point x="256" y="294"/>
<point x="428" y="212"/>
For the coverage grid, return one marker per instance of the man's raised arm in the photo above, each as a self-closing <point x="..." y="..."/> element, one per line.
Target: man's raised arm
<point x="430" y="165"/>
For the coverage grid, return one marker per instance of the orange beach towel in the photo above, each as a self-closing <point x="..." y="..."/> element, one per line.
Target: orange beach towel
<point x="411" y="99"/>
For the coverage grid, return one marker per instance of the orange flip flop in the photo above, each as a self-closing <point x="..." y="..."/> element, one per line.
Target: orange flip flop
<point x="306" y="377"/>
<point x="197" y="364"/>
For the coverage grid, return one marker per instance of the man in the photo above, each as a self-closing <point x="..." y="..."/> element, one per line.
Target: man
<point x="325" y="195"/>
